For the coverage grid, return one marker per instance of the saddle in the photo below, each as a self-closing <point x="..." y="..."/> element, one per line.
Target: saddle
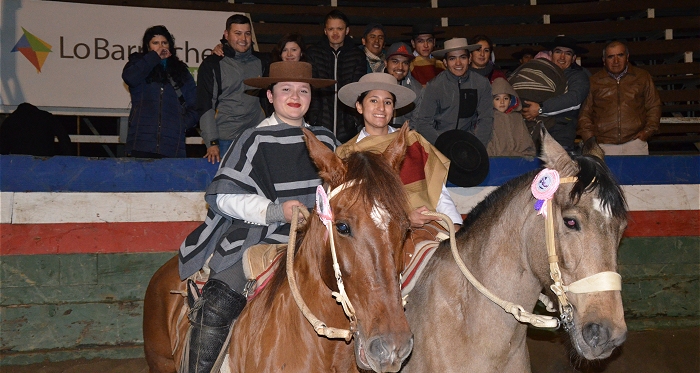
<point x="260" y="262"/>
<point x="419" y="247"/>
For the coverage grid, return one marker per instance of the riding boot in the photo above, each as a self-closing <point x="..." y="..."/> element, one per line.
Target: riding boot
<point x="211" y="318"/>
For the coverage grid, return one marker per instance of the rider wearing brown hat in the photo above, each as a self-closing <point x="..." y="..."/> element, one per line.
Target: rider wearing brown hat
<point x="263" y="158"/>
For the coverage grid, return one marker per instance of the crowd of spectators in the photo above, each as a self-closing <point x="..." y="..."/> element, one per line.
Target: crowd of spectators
<point x="453" y="87"/>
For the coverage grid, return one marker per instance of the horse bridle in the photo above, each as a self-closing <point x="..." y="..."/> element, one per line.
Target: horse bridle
<point x="326" y="216"/>
<point x="548" y="181"/>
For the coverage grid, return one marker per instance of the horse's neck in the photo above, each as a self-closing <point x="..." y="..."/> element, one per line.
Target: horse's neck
<point x="498" y="248"/>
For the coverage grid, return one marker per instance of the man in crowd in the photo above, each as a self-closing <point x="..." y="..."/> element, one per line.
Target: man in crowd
<point x="564" y="108"/>
<point x="457" y="98"/>
<point x="398" y="61"/>
<point x="623" y="108"/>
<point x="373" y="41"/>
<point x="335" y="57"/>
<point x="225" y="107"/>
<point x="424" y="67"/>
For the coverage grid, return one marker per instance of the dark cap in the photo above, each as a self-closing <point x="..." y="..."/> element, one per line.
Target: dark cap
<point x="520" y="54"/>
<point x="421" y="29"/>
<point x="372" y="26"/>
<point x="566" y="42"/>
<point x="400" y="49"/>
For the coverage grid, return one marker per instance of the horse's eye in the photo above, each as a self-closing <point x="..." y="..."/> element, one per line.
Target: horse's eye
<point x="571" y="223"/>
<point x="343" y="228"/>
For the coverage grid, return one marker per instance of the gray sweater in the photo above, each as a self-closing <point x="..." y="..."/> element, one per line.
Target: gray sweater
<point x="223" y="115"/>
<point x="438" y="109"/>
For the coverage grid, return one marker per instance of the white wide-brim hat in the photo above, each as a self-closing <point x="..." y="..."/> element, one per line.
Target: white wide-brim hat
<point x="373" y="81"/>
<point x="456" y="44"/>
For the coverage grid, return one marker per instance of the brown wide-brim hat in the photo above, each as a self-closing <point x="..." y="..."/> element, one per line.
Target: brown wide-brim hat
<point x="372" y="81"/>
<point x="456" y="44"/>
<point x="289" y="71"/>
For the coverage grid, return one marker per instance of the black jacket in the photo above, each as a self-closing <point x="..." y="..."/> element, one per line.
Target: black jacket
<point x="30" y="130"/>
<point x="346" y="65"/>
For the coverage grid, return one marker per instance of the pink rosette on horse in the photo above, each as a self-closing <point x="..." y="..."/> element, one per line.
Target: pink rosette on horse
<point x="543" y="188"/>
<point x="323" y="206"/>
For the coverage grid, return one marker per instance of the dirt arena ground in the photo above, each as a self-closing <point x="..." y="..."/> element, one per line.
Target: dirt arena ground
<point x="657" y="351"/>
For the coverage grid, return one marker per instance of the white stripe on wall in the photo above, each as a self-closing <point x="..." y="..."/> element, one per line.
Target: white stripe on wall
<point x="47" y="208"/>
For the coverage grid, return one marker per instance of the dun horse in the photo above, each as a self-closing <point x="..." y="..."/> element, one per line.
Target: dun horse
<point x="369" y="225"/>
<point x="457" y="329"/>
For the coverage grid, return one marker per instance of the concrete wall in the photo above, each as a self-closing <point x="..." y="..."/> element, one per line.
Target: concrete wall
<point x="80" y="239"/>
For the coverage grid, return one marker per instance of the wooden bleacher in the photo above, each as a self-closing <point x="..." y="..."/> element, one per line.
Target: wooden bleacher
<point x="663" y="36"/>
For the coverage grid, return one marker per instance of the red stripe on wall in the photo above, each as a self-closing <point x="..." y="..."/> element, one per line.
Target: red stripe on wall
<point x="663" y="223"/>
<point x="80" y="238"/>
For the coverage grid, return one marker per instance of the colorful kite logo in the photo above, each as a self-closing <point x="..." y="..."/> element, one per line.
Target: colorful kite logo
<point x="33" y="49"/>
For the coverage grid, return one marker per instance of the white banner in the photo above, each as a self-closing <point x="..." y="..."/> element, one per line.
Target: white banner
<point x="68" y="58"/>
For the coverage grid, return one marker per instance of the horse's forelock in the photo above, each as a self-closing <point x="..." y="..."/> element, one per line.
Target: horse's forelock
<point x="376" y="182"/>
<point x="595" y="175"/>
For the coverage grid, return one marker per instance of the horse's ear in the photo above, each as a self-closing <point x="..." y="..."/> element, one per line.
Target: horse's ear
<point x="591" y="147"/>
<point x="330" y="167"/>
<point x="555" y="157"/>
<point x="396" y="151"/>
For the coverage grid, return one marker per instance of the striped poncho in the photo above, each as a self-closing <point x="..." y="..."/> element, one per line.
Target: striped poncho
<point x="270" y="160"/>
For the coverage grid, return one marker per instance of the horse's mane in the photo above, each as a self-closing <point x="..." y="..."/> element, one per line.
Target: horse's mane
<point x="593" y="175"/>
<point x="374" y="181"/>
<point x="497" y="196"/>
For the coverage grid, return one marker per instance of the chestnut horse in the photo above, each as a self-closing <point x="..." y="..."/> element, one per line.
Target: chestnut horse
<point x="458" y="329"/>
<point x="369" y="226"/>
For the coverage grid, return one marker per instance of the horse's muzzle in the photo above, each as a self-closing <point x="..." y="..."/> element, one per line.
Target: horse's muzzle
<point x="382" y="354"/>
<point x="601" y="339"/>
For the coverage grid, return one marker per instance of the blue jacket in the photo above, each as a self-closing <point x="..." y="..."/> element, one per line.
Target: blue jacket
<point x="158" y="122"/>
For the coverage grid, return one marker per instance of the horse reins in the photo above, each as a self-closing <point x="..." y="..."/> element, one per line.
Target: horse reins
<point x="326" y="216"/>
<point x="543" y="188"/>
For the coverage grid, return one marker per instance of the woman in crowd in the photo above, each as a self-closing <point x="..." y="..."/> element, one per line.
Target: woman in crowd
<point x="290" y="48"/>
<point x="375" y="96"/>
<point x="246" y="206"/>
<point x="163" y="95"/>
<point x="482" y="59"/>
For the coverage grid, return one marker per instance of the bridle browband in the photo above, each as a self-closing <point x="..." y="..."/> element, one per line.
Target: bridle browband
<point x="544" y="186"/>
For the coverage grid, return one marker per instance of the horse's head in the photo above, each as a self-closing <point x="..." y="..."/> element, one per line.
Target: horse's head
<point x="589" y="219"/>
<point x="370" y="220"/>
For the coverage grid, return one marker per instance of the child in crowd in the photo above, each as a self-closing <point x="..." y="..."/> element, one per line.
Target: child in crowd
<point x="510" y="135"/>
